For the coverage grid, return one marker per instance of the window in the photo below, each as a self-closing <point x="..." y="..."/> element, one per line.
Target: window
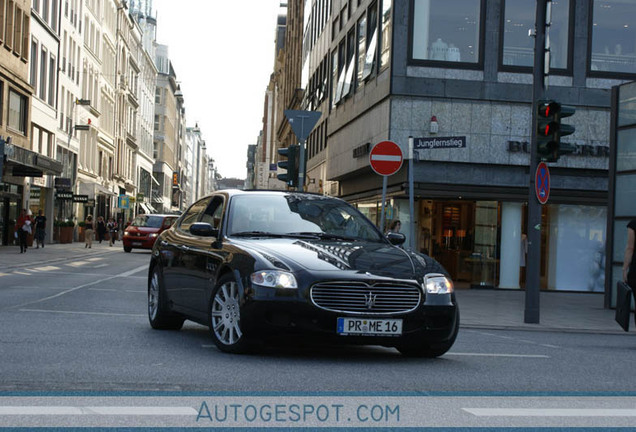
<point x="34" y="64"/>
<point x="9" y="25"/>
<point x="52" y="69"/>
<point x="362" y="46"/>
<point x="17" y="31"/>
<point x="613" y="36"/>
<point x="2" y="18"/>
<point x="446" y="31"/>
<point x="26" y="34"/>
<point x="214" y="213"/>
<point x="385" y="48"/>
<point x="43" y="75"/>
<point x="372" y="40"/>
<point x="17" y="111"/>
<point x="518" y="47"/>
<point x="192" y="214"/>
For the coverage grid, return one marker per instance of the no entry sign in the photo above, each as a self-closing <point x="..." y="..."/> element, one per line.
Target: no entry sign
<point x="386" y="158"/>
<point x="542" y="183"/>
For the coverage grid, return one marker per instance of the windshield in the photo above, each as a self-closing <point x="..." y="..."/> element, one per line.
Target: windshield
<point x="299" y="215"/>
<point x="148" y="221"/>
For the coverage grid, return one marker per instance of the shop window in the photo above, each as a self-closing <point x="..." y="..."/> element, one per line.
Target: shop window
<point x="613" y="37"/>
<point x="445" y="31"/>
<point x="518" y="48"/>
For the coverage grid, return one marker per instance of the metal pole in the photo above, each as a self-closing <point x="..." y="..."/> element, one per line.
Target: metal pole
<point x="533" y="265"/>
<point x="301" y="157"/>
<point x="384" y="182"/>
<point x="411" y="197"/>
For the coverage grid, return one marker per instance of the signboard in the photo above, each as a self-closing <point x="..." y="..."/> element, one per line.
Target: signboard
<point x="64" y="195"/>
<point x="439" y="142"/>
<point x="90" y="203"/>
<point x="542" y="182"/>
<point x="123" y="202"/>
<point x="386" y="158"/>
<point x="175" y="179"/>
<point x="62" y="183"/>
<point x="302" y="122"/>
<point x="80" y="198"/>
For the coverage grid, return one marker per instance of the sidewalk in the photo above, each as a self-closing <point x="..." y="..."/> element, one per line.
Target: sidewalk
<point x="494" y="309"/>
<point x="11" y="258"/>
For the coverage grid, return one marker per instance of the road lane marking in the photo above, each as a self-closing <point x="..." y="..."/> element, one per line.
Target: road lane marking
<point x="97" y="410"/>
<point x="497" y="355"/>
<point x="46" y="268"/>
<point x="82" y="313"/>
<point x="551" y="412"/>
<point x="77" y="263"/>
<point x="126" y="274"/>
<point x="101" y="265"/>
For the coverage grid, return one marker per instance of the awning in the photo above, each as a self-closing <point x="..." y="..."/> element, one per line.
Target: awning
<point x="154" y="179"/>
<point x="27" y="163"/>
<point x="104" y="190"/>
<point x="148" y="209"/>
<point x="91" y="189"/>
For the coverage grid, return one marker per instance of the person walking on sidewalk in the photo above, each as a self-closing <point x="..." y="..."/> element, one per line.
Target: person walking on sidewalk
<point x="40" y="229"/>
<point x="88" y="232"/>
<point x="111" y="226"/>
<point x="23" y="229"/>
<point x="101" y="229"/>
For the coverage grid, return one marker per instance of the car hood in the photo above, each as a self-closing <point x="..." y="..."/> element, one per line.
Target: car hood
<point x="377" y="258"/>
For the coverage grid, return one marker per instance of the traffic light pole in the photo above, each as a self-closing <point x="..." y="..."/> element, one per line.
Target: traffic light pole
<point x="533" y="263"/>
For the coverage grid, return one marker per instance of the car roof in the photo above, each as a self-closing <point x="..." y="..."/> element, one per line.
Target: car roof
<point x="236" y="192"/>
<point x="157" y="215"/>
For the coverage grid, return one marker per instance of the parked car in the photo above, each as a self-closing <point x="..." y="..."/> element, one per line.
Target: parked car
<point x="144" y="230"/>
<point x="252" y="265"/>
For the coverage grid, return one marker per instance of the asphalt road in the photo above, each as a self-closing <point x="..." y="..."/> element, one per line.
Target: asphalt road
<point x="82" y="326"/>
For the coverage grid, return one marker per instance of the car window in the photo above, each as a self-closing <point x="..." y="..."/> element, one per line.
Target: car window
<point x="279" y="214"/>
<point x="167" y="223"/>
<point x="213" y="213"/>
<point x="192" y="214"/>
<point x="147" y="221"/>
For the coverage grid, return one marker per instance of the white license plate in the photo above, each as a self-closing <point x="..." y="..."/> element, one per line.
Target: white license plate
<point x="136" y="243"/>
<point x="369" y="326"/>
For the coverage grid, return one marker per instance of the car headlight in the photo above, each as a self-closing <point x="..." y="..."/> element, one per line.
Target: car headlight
<point x="274" y="279"/>
<point x="126" y="233"/>
<point x="436" y="283"/>
<point x="153" y="235"/>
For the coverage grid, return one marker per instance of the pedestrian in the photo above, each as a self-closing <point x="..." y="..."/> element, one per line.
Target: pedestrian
<point x="23" y="229"/>
<point x="395" y="226"/>
<point x="101" y="228"/>
<point x="629" y="264"/>
<point x="88" y="232"/>
<point x="111" y="226"/>
<point x="40" y="229"/>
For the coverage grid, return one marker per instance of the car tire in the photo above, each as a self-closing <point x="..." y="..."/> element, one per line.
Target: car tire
<point x="224" y="317"/>
<point x="430" y="350"/>
<point x="127" y="248"/>
<point x="158" y="312"/>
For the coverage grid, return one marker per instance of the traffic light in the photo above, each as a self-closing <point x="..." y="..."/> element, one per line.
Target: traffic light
<point x="550" y="130"/>
<point x="291" y="165"/>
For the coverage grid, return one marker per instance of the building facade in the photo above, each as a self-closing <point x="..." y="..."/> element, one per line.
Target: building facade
<point x="457" y="77"/>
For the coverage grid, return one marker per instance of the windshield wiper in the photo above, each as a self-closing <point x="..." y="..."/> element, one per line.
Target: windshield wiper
<point x="255" y="234"/>
<point x="324" y="236"/>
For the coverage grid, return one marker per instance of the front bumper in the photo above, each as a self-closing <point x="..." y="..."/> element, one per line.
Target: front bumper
<point x="264" y="316"/>
<point x="139" y="242"/>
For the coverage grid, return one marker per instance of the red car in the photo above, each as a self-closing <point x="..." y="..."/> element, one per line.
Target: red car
<point x="144" y="230"/>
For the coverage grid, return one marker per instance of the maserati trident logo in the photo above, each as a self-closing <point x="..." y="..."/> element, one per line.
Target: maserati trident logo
<point x="369" y="300"/>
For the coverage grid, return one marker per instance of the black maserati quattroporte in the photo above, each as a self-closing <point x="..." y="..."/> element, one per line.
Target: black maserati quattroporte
<point x="253" y="265"/>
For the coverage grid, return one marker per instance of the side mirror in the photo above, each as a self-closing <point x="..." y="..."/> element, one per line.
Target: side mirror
<point x="396" y="239"/>
<point x="203" y="229"/>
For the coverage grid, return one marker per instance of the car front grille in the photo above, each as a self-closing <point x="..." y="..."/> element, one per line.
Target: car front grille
<point x="363" y="298"/>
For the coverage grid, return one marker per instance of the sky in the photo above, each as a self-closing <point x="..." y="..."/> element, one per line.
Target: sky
<point x="223" y="55"/>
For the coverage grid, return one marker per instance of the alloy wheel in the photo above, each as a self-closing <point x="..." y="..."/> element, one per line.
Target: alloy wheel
<point x="153" y="296"/>
<point x="226" y="315"/>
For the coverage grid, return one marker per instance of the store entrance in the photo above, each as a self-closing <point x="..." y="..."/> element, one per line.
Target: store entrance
<point x="8" y="217"/>
<point x="464" y="237"/>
